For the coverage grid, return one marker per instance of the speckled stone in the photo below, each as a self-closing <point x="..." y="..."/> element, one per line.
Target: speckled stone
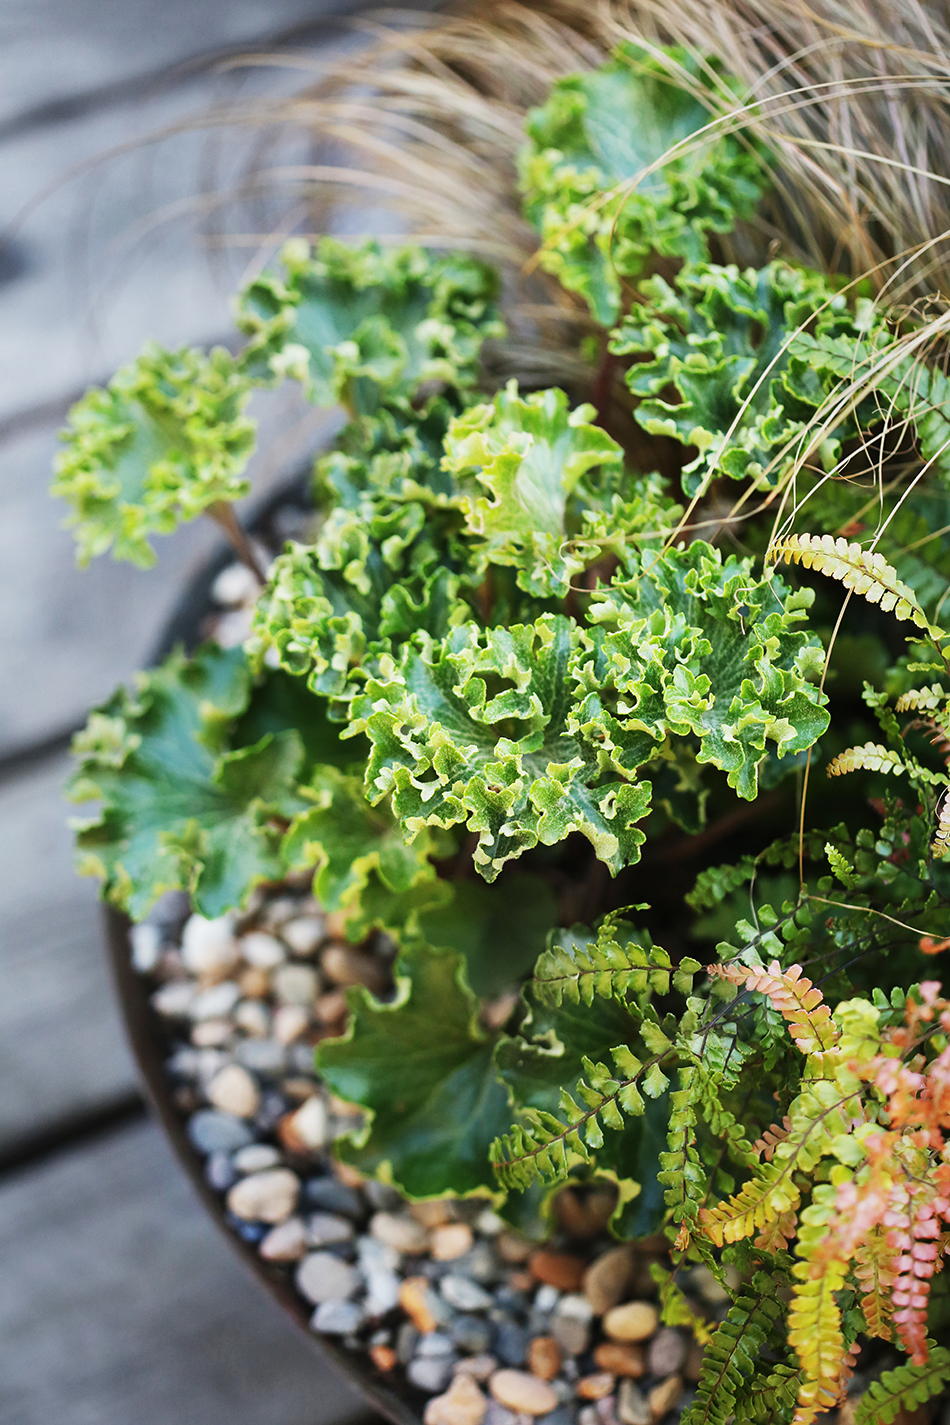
<point x="323" y="1277"/>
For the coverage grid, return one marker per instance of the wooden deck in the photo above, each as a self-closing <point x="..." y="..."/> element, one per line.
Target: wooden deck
<point x="120" y="1302"/>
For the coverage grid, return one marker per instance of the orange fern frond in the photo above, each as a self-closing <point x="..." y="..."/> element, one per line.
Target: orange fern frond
<point x="809" y="1019"/>
<point x="765" y="1146"/>
<point x="875" y="1268"/>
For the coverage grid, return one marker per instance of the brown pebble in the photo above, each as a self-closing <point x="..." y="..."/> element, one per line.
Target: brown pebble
<point x="479" y="1367"/>
<point x="694" y="1361"/>
<point x="414" y="1300"/>
<point x="544" y="1357"/>
<point x="665" y="1395"/>
<point x="621" y="1358"/>
<point x="523" y="1393"/>
<point x="634" y="1321"/>
<point x="512" y="1248"/>
<point x="521" y="1281"/>
<point x="331" y="1008"/>
<point x="348" y="1175"/>
<point x="345" y="966"/>
<point x="596" y="1387"/>
<point x="558" y="1269"/>
<point x="384" y="1358"/>
<point x="584" y="1212"/>
<point x="462" y="1404"/>
<point x="253" y="982"/>
<point x="451" y="1240"/>
<point x="607" y="1280"/>
<point x="433" y="1214"/>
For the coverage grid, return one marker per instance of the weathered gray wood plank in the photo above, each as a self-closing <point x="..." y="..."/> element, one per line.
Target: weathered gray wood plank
<point x="121" y="1304"/>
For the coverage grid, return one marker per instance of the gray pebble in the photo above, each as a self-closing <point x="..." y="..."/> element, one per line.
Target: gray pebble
<point x="211" y="1131"/>
<point x="481" y="1264"/>
<point x="219" y="1171"/>
<point x="215" y="1003"/>
<point x="256" y="1157"/>
<point x="262" y="1056"/>
<point x="376" y="1256"/>
<point x="338" y="1318"/>
<point x="511" y="1343"/>
<point x="498" y="1414"/>
<point x="463" y="1294"/>
<point x="325" y="1228"/>
<point x="382" y="1290"/>
<point x="330" y="1195"/>
<point x="324" y="1277"/>
<point x="300" y="1059"/>
<point x="667" y="1352"/>
<point x="472" y="1334"/>
<point x="435" y="1343"/>
<point x="546" y="1299"/>
<point x="430" y="1373"/>
<point x="571" y="1324"/>
<point x="632" y="1407"/>
<point x="184" y="1063"/>
<point x="564" y="1415"/>
<point x="406" y="1340"/>
<point x="382" y="1197"/>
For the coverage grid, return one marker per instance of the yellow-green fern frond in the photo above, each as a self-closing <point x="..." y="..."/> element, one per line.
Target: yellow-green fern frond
<point x="866" y="574"/>
<point x="870" y="757"/>
<point x="922" y="699"/>
<point x="941" y="839"/>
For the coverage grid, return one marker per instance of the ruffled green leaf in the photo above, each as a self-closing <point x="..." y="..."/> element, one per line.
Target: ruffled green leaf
<point x="163" y="441"/>
<point x="476" y="731"/>
<point x="600" y="213"/>
<point x="725" y="340"/>
<point x="500" y="930"/>
<point x="367" y="325"/>
<point x="422" y="1068"/>
<point x="180" y="810"/>
<point x="694" y="645"/>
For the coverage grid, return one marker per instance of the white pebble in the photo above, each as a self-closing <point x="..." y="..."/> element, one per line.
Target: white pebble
<point x="146" y="946"/>
<point x="208" y="944"/>
<point x="327" y="1229"/>
<point x="256" y="1157"/>
<point x="253" y="1017"/>
<point x="286" y="1242"/>
<point x="216" y="1003"/>
<point x="304" y="933"/>
<point x="309" y="1124"/>
<point x="270" y="1196"/>
<point x="259" y="948"/>
<point x="235" y="585"/>
<point x="402" y="1233"/>
<point x="212" y="1033"/>
<point x="488" y="1223"/>
<point x="234" y="1091"/>
<point x="290" y="1021"/>
<point x="232" y="628"/>
<point x="323" y="1277"/>
<point x="296" y="984"/>
<point x="175" y="998"/>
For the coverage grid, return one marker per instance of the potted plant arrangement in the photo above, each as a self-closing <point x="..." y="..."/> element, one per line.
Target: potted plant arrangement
<point x="563" y="816"/>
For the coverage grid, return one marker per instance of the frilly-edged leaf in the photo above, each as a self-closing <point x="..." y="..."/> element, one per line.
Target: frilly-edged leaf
<point x="423" y="1069"/>
<point x="692" y="644"/>
<point x="476" y="731"/>
<point x="500" y="930"/>
<point x="180" y="812"/>
<point x="528" y="454"/>
<point x="365" y="325"/>
<point x="163" y="441"/>
<point x="599" y="212"/>
<point x="364" y="865"/>
<point x="724" y="340"/>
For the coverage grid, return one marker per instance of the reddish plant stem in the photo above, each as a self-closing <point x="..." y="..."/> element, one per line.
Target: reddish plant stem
<point x="223" y="515"/>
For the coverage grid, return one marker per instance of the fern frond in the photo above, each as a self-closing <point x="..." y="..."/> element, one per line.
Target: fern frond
<point x="875" y="1269"/>
<point x="576" y="970"/>
<point x="676" y="1309"/>
<point x="869" y="757"/>
<point x="731" y="1359"/>
<point x="866" y="574"/>
<point x="904" y="1388"/>
<point x="941" y="836"/>
<point x="773" y="1400"/>
<point x="814" y="1318"/>
<point x="922" y="699"/>
<point x="794" y="996"/>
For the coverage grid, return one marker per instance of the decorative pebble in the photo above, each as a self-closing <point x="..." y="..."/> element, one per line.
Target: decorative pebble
<point x="435" y="1343"/>
<point x="383" y="1357"/>
<point x="235" y="585"/>
<point x="666" y="1353"/>
<point x="328" y="1194"/>
<point x="215" y="1003"/>
<point x="498" y="1414"/>
<point x="513" y="1249"/>
<point x="259" y="948"/>
<point x="430" y="1373"/>
<point x="212" y="1033"/>
<point x="632" y="1405"/>
<point x="433" y="1214"/>
<point x="304" y="933"/>
<point x="478" y="1367"/>
<point x="338" y="1318"/>
<point x="219" y="1171"/>
<point x="417" y="1300"/>
<point x="664" y="1396"/>
<point x="544" y="1357"/>
<point x="596" y="1387"/>
<point x="175" y="999"/>
<point x="307" y="1128"/>
<point x="708" y="1287"/>
<point x="254" y="982"/>
<point x="607" y="1279"/>
<point x="557" y="1269"/>
<point x="546" y="1299"/>
<point x="325" y="1229"/>
<point x="290" y="1022"/>
<point x="262" y="1056"/>
<point x="464" y="1294"/>
<point x="296" y="984"/>
<point x="254" y="1018"/>
<point x="324" y="1277"/>
<point x="382" y="1198"/>
<point x="330" y="1008"/>
<point x="488" y="1223"/>
<point x="635" y="1321"/>
<point x="571" y="1324"/>
<point x="270" y="1196"/>
<point x="234" y="1091"/>
<point x="472" y="1334"/>
<point x="462" y="1404"/>
<point x="345" y="966"/>
<point x="511" y="1343"/>
<point x="256" y="1157"/>
<point x="621" y="1359"/>
<point x="208" y="945"/>
<point x="286" y="1242"/>
<point x="212" y="1131"/>
<point x="146" y="940"/>
<point x="382" y="1290"/>
<point x="401" y="1231"/>
<point x="583" y="1212"/>
<point x="523" y="1393"/>
<point x="452" y="1240"/>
